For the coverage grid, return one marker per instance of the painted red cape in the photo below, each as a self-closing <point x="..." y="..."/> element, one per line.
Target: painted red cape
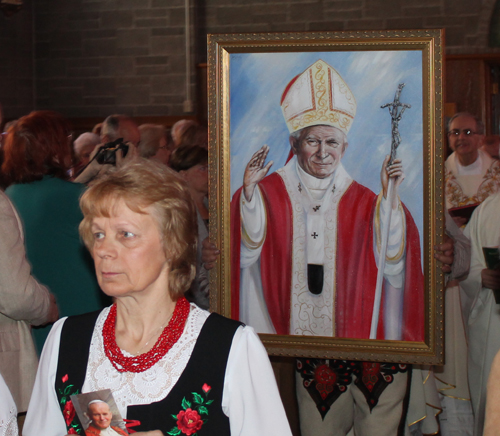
<point x="356" y="270"/>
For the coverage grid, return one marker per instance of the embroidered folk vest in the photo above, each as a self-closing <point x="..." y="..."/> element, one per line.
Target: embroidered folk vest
<point x="194" y="403"/>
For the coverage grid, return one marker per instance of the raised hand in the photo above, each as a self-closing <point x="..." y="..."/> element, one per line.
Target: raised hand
<point x="255" y="171"/>
<point x="132" y="153"/>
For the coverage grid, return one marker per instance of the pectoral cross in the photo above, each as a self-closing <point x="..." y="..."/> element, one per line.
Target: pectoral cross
<point x="314" y="235"/>
<point x="316" y="208"/>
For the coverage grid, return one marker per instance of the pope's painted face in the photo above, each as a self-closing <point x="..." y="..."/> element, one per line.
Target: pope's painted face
<point x="319" y="150"/>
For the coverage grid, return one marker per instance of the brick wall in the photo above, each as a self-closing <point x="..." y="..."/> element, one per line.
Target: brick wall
<point x="98" y="57"/>
<point x="466" y="22"/>
<point x="95" y="57"/>
<point x="16" y="63"/>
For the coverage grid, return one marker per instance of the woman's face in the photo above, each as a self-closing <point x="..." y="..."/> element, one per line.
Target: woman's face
<point x="197" y="178"/>
<point x="128" y="253"/>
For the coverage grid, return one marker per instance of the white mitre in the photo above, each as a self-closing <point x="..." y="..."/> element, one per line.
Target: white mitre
<point x="318" y="96"/>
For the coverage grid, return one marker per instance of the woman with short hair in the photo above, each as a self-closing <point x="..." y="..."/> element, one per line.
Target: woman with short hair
<point x="172" y="368"/>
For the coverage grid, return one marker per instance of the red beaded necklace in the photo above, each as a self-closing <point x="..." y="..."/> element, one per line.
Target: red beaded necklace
<point x="170" y="335"/>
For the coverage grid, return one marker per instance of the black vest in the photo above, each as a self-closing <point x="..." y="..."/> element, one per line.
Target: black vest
<point x="204" y="372"/>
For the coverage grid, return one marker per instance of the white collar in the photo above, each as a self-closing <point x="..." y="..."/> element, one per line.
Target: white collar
<point x="315" y="186"/>
<point x="312" y="182"/>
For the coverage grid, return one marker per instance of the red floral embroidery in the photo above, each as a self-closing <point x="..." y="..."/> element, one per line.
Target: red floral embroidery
<point x="67" y="407"/>
<point x="325" y="380"/>
<point x="69" y="412"/>
<point x="371" y="374"/>
<point x="189" y="421"/>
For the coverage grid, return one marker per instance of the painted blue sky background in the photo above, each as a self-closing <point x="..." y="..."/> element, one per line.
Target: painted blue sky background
<point x="257" y="81"/>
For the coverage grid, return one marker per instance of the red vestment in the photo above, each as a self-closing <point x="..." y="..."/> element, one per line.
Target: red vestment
<point x="356" y="269"/>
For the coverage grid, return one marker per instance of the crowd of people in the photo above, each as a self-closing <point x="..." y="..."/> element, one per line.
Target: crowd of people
<point x="101" y="259"/>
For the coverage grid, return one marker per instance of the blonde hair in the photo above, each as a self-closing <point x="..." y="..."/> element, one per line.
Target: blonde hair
<point x="140" y="184"/>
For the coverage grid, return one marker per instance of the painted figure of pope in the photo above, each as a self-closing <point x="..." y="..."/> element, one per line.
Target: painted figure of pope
<point x="306" y="239"/>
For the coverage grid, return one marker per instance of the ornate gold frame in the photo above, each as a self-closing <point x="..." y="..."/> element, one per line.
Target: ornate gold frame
<point x="430" y="44"/>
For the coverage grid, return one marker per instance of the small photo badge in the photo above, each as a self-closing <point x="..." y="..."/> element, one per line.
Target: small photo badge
<point x="99" y="414"/>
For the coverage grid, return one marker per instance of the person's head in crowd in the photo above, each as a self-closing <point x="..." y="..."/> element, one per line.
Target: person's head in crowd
<point x="179" y="128"/>
<point x="37" y="145"/>
<point x="465" y="134"/>
<point x="144" y="193"/>
<point x="194" y="135"/>
<point x="120" y="126"/>
<point x="491" y="145"/>
<point x="154" y="142"/>
<point x="191" y="162"/>
<point x="97" y="129"/>
<point x="100" y="414"/>
<point x="84" y="145"/>
<point x="164" y="153"/>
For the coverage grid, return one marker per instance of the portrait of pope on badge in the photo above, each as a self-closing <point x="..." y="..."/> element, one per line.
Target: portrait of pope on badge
<point x="324" y="222"/>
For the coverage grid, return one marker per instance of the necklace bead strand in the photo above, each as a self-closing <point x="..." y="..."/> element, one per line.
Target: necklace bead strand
<point x="140" y="363"/>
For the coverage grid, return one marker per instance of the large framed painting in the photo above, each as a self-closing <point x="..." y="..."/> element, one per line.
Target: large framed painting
<point x="326" y="198"/>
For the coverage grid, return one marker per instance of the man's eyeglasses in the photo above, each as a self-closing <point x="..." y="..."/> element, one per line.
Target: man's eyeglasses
<point x="455" y="132"/>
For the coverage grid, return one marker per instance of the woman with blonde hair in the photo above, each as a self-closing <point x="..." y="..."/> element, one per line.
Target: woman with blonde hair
<point x="172" y="368"/>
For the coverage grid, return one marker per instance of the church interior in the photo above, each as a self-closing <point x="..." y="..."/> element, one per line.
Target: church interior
<point x="147" y="59"/>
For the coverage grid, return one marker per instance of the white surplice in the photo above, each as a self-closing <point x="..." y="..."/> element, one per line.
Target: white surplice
<point x="480" y="309"/>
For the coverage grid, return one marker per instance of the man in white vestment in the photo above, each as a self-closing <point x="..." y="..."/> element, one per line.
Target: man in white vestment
<point x="471" y="174"/>
<point x="482" y="315"/>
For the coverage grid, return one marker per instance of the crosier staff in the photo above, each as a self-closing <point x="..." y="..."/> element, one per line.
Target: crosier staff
<point x="396" y="109"/>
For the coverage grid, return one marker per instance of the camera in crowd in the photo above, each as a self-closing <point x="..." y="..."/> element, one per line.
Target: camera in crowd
<point x="107" y="153"/>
